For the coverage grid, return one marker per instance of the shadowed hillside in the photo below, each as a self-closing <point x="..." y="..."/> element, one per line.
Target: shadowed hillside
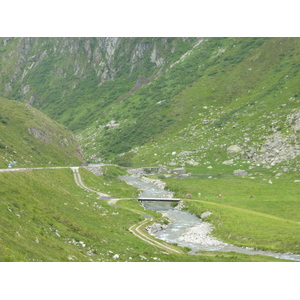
<point x="30" y="138"/>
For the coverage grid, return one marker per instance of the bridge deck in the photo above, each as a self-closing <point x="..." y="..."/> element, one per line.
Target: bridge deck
<point x="159" y="199"/>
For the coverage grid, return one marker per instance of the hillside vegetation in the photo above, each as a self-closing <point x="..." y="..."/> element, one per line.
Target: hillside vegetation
<point x="222" y="112"/>
<point x="151" y="97"/>
<point x="227" y="92"/>
<point x="30" y="138"/>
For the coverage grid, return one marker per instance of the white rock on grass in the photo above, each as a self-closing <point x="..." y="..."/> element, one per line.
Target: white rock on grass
<point x="205" y="214"/>
<point x="228" y="162"/>
<point x="234" y="149"/>
<point x="240" y="172"/>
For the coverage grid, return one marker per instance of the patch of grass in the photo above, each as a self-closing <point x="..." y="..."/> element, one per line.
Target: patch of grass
<point x="268" y="221"/>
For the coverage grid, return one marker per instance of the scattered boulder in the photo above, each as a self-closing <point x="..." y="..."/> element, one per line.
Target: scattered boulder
<point x="183" y="153"/>
<point x="179" y="171"/>
<point x="240" y="172"/>
<point x="234" y="149"/>
<point x="205" y="214"/>
<point x="155" y="227"/>
<point x="112" y="124"/>
<point x="192" y="162"/>
<point x="228" y="162"/>
<point x="95" y="170"/>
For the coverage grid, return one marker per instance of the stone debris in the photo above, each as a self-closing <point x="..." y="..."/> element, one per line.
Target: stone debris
<point x="160" y="184"/>
<point x="205" y="214"/>
<point x="155" y="227"/>
<point x="112" y="124"/>
<point x="234" y="149"/>
<point x="228" y="162"/>
<point x="200" y="234"/>
<point x="240" y="172"/>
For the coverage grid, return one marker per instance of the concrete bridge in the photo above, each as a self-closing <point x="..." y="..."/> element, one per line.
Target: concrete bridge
<point x="159" y="199"/>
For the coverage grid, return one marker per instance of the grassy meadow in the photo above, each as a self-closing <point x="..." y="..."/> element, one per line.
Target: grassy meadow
<point x="250" y="213"/>
<point x="45" y="216"/>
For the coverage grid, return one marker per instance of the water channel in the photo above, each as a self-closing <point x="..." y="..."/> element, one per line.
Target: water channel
<point x="188" y="230"/>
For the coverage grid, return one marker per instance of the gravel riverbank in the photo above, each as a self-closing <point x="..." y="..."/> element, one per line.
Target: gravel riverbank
<point x="200" y="234"/>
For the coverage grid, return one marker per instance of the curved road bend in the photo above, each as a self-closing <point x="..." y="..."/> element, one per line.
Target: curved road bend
<point x="135" y="229"/>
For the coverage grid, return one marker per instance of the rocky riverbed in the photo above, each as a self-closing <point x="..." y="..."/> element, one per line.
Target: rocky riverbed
<point x="200" y="234"/>
<point x="185" y="229"/>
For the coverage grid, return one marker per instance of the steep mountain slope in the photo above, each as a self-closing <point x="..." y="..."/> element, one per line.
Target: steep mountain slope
<point x="252" y="105"/>
<point x="74" y="80"/>
<point x="237" y="92"/>
<point x="165" y="101"/>
<point x="30" y="138"/>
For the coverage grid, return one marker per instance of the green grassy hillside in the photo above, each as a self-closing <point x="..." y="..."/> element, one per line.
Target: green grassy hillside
<point x="236" y="91"/>
<point x="151" y="97"/>
<point x="30" y="138"/>
<point x="215" y="106"/>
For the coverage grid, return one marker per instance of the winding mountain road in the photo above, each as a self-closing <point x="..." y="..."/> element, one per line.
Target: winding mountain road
<point x="136" y="229"/>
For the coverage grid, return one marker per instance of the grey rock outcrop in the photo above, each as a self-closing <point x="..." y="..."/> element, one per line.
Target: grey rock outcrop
<point x="40" y="134"/>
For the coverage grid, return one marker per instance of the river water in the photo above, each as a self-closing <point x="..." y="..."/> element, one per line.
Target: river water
<point x="185" y="229"/>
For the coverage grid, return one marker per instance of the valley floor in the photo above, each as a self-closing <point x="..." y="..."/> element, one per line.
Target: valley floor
<point x="46" y="217"/>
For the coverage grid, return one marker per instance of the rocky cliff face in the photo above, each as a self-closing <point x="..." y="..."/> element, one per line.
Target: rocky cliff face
<point x="69" y="61"/>
<point x="230" y="101"/>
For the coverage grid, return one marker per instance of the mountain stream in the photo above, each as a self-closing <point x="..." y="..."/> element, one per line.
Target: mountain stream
<point x="185" y="229"/>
